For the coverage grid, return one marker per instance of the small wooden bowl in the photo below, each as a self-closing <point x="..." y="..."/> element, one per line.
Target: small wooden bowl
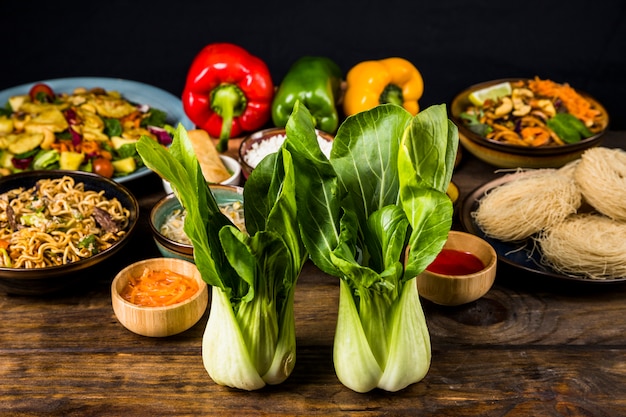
<point x="159" y="321"/>
<point x="453" y="290"/>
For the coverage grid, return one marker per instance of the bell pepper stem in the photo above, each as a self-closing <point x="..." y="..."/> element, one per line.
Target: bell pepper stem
<point x="391" y="94"/>
<point x="228" y="101"/>
<point x="227" y="121"/>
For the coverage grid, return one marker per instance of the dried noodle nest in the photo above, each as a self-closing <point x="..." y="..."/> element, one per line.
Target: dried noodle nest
<point x="588" y="245"/>
<point x="575" y="239"/>
<point x="523" y="207"/>
<point x="601" y="177"/>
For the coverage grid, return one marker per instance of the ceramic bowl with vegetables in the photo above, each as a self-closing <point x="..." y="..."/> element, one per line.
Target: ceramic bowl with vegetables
<point x="159" y="297"/>
<point x="56" y="225"/>
<point x="167" y="220"/>
<point x="530" y="123"/>
<point x="255" y="147"/>
<point x="86" y="123"/>
<point x="464" y="271"/>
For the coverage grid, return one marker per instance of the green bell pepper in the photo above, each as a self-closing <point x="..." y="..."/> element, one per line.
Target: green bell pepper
<point x="316" y="83"/>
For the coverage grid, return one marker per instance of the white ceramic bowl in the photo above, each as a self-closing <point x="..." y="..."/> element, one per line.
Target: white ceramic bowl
<point x="231" y="165"/>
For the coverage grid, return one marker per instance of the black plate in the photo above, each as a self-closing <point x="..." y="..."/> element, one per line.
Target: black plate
<point x="526" y="255"/>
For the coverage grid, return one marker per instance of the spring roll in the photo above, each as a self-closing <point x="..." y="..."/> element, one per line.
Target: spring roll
<point x="213" y="168"/>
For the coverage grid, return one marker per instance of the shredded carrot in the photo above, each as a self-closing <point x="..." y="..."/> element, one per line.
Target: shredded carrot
<point x="4" y="244"/>
<point x="63" y="146"/>
<point x="159" y="288"/>
<point x="535" y="135"/>
<point x="576" y="104"/>
<point x="133" y="119"/>
<point x="89" y="147"/>
<point x="106" y="154"/>
<point x="132" y="116"/>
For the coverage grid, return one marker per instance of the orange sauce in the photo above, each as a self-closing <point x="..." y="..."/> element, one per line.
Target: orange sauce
<point x="159" y="288"/>
<point x="454" y="262"/>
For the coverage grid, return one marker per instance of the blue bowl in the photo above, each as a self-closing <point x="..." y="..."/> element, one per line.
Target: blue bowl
<point x="224" y="194"/>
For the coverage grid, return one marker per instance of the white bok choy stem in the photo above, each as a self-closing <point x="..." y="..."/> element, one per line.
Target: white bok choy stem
<point x="383" y="190"/>
<point x="249" y="340"/>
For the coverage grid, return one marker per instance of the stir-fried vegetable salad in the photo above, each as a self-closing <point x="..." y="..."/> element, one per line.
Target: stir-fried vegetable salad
<point x="91" y="130"/>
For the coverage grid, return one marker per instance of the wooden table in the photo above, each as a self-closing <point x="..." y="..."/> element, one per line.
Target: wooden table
<point x="531" y="347"/>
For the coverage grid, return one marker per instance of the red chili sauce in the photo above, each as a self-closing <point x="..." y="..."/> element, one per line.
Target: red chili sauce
<point x="454" y="262"/>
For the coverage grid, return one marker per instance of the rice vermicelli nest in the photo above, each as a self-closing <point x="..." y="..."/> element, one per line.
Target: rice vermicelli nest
<point x="585" y="244"/>
<point x="521" y="208"/>
<point x="601" y="177"/>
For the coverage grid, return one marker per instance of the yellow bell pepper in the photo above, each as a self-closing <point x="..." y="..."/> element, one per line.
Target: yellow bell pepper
<point x="390" y="80"/>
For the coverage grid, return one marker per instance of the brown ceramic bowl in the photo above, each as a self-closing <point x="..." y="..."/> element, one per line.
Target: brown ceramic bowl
<point x="254" y="147"/>
<point x="452" y="290"/>
<point x="159" y="321"/>
<point x="505" y="155"/>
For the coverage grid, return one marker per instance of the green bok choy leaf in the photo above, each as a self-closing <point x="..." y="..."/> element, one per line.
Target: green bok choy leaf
<point x="249" y="340"/>
<point x="376" y="214"/>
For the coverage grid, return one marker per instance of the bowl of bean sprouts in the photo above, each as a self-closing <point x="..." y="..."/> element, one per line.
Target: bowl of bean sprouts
<point x="167" y="220"/>
<point x="55" y="225"/>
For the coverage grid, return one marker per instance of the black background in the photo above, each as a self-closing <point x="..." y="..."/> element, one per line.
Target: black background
<point x="453" y="43"/>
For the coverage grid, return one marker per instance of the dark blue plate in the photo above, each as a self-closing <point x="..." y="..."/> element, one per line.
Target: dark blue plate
<point x="524" y="255"/>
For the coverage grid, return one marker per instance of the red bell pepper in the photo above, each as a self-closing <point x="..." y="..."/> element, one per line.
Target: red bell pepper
<point x="228" y="91"/>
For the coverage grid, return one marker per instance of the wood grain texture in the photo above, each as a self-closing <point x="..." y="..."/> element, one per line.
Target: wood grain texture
<point x="529" y="347"/>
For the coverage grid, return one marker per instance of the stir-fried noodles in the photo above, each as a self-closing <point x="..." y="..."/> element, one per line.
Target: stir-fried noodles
<point x="537" y="113"/>
<point x="57" y="222"/>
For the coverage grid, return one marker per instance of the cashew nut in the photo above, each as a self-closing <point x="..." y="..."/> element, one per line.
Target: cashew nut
<point x="504" y="108"/>
<point x="521" y="93"/>
<point x="547" y="106"/>
<point x="48" y="138"/>
<point x="521" y="108"/>
<point x="519" y="103"/>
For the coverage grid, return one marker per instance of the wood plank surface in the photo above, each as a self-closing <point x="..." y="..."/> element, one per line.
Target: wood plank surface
<point x="531" y="347"/>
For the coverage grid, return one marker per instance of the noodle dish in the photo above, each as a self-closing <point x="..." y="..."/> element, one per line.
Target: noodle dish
<point x="530" y="123"/>
<point x="55" y="223"/>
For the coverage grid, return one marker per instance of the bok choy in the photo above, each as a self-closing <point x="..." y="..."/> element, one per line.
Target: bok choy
<point x="249" y="339"/>
<point x="375" y="215"/>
